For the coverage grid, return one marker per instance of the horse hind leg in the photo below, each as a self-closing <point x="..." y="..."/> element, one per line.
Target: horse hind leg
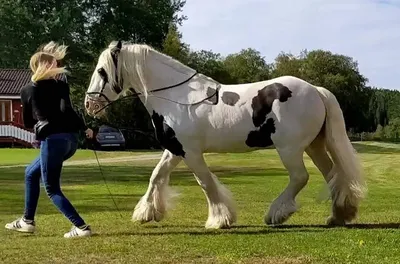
<point x="318" y="153"/>
<point x="285" y="205"/>
<point x="221" y="208"/>
<point x="154" y="203"/>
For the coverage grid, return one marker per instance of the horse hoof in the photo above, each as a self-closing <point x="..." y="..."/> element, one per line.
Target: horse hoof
<point x="332" y="221"/>
<point x="279" y="213"/>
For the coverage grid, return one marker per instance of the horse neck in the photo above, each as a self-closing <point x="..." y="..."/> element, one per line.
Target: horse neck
<point x="160" y="72"/>
<point x="164" y="71"/>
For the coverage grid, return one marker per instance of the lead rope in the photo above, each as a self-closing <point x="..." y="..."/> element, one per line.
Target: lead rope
<point x="91" y="142"/>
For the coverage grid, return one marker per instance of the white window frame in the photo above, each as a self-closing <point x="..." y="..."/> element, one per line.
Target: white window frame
<point x="3" y="108"/>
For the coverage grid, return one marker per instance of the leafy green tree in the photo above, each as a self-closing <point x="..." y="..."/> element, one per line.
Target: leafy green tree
<point x="247" y="66"/>
<point x="87" y="27"/>
<point x="379" y="133"/>
<point x="210" y="64"/>
<point x="392" y="98"/>
<point x="378" y="107"/>
<point x="287" y="64"/>
<point x="140" y="21"/>
<point x="337" y="73"/>
<point x="173" y="45"/>
<point x="393" y="129"/>
<point x="26" y="24"/>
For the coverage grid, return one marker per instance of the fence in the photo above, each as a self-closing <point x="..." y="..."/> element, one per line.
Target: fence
<point x="11" y="132"/>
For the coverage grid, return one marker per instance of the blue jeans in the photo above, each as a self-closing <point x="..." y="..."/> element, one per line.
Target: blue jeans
<point x="54" y="150"/>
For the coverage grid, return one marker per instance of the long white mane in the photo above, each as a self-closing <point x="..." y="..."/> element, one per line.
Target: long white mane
<point x="133" y="66"/>
<point x="133" y="61"/>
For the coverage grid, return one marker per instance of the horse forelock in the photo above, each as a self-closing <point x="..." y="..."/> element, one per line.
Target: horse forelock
<point x="105" y="61"/>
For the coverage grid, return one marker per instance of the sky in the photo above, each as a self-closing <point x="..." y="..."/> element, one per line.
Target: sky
<point x="366" y="30"/>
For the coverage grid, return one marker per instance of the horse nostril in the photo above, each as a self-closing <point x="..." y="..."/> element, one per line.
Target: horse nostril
<point x="87" y="105"/>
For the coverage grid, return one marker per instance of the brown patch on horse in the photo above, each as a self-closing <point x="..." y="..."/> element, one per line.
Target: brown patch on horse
<point x="262" y="106"/>
<point x="230" y="98"/>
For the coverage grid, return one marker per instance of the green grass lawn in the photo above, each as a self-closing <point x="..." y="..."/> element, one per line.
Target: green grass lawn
<point x="255" y="180"/>
<point x="9" y="156"/>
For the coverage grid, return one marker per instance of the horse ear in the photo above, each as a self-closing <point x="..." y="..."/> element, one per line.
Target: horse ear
<point x="119" y="44"/>
<point x="116" y="46"/>
<point x="115" y="50"/>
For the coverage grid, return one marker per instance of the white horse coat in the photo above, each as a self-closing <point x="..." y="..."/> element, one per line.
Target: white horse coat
<point x="201" y="115"/>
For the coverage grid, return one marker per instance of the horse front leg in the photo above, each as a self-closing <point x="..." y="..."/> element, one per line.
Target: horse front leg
<point x="154" y="203"/>
<point x="221" y="208"/>
<point x="285" y="205"/>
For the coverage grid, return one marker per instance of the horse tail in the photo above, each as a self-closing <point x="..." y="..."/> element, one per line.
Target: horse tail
<point x="346" y="182"/>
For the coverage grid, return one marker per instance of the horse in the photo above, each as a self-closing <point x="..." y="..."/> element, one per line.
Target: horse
<point x="193" y="114"/>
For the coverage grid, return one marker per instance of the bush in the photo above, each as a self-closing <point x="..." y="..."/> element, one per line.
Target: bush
<point x="389" y="133"/>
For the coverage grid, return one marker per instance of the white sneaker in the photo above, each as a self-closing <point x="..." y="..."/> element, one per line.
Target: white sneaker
<point x="79" y="232"/>
<point x="21" y="226"/>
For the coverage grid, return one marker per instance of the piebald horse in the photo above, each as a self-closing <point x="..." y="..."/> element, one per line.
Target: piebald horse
<point x="193" y="114"/>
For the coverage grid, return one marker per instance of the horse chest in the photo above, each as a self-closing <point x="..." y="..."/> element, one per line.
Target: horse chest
<point x="166" y="135"/>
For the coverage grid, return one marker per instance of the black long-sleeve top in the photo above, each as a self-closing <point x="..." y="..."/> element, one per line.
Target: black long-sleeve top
<point x="50" y="100"/>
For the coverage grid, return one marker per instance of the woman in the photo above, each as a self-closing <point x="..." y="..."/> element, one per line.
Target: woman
<point x="47" y="109"/>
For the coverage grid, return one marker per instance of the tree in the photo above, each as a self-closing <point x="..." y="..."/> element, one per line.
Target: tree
<point x="247" y="66"/>
<point x="140" y="21"/>
<point x="173" y="45"/>
<point x="393" y="129"/>
<point x="87" y="27"/>
<point x="378" y="107"/>
<point x="210" y="64"/>
<point x="26" y="24"/>
<point x="337" y="73"/>
<point x="288" y="64"/>
<point x="392" y="98"/>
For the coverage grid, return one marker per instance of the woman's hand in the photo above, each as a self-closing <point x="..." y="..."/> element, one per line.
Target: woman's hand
<point x="89" y="133"/>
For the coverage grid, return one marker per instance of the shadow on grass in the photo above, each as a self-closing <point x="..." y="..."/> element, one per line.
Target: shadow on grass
<point x="349" y="226"/>
<point x="195" y="233"/>
<point x="288" y="226"/>
<point x="225" y="232"/>
<point x="85" y="187"/>
<point x="250" y="230"/>
<point x="235" y="230"/>
<point x="85" y="203"/>
<point x="141" y="174"/>
<point x="12" y="183"/>
<point x="370" y="149"/>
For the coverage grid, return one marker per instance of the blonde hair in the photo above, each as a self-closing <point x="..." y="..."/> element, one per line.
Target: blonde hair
<point x="41" y="61"/>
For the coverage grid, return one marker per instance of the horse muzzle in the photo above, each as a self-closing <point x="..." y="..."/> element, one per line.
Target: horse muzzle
<point x="94" y="107"/>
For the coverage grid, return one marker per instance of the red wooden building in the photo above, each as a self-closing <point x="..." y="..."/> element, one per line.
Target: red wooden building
<point x="11" y="119"/>
<point x="11" y="82"/>
<point x="12" y="130"/>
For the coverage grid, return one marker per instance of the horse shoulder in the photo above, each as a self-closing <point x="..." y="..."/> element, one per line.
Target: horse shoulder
<point x="166" y="135"/>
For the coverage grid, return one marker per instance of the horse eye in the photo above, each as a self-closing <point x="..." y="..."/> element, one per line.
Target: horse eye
<point x="103" y="74"/>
